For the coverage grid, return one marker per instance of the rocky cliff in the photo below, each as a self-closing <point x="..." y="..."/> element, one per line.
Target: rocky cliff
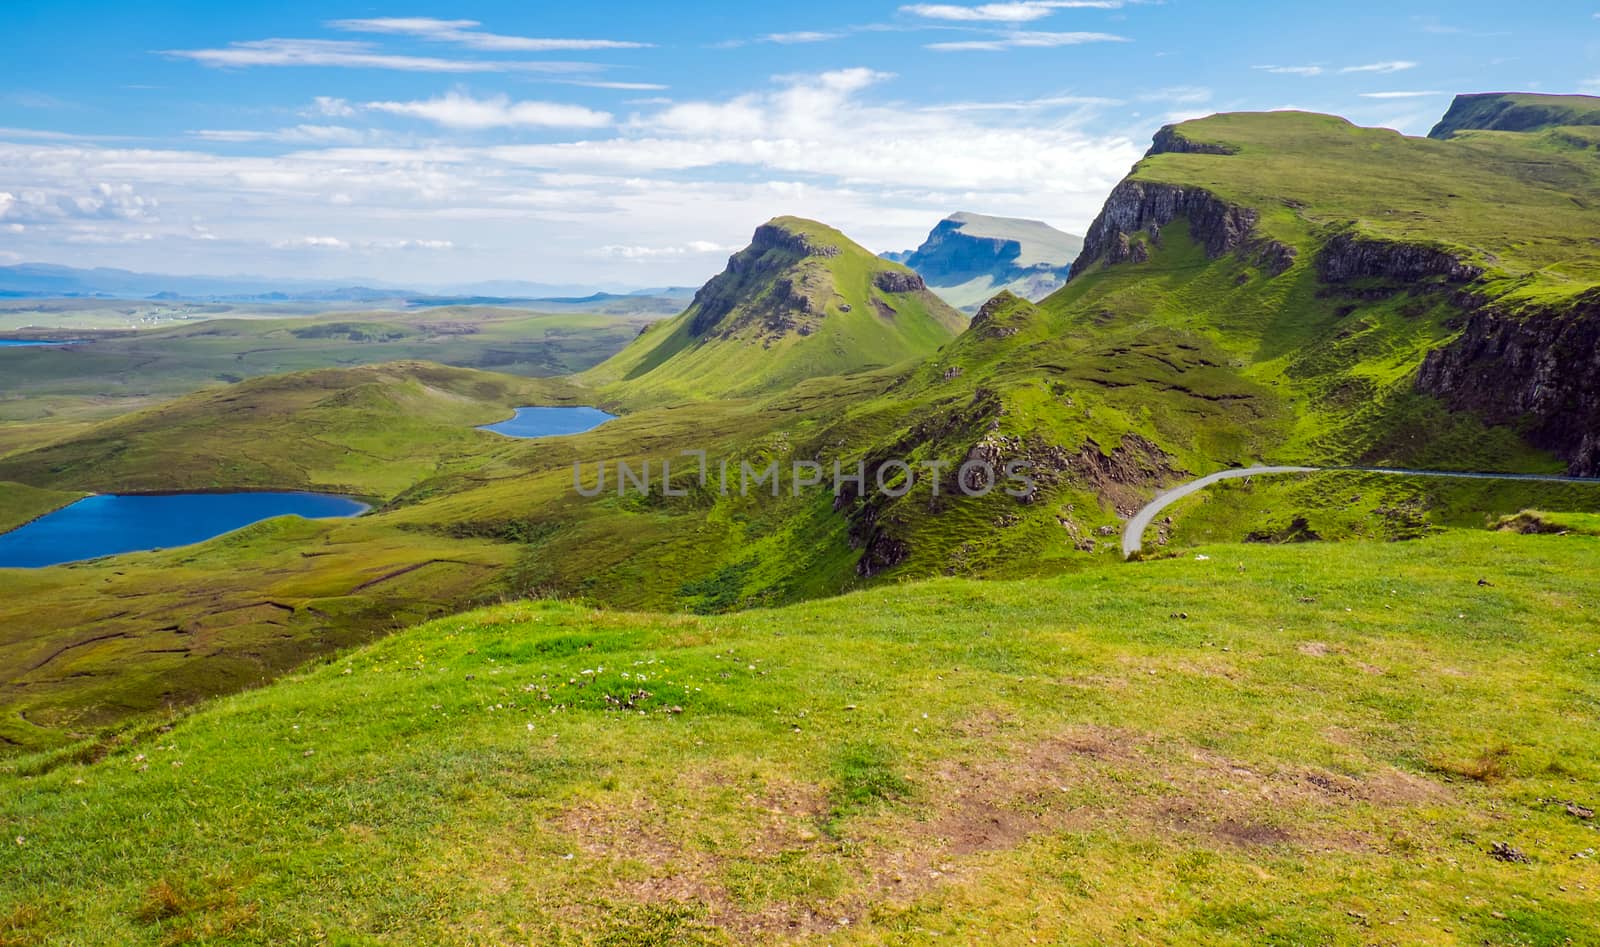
<point x="1136" y="207"/>
<point x="1536" y="369"/>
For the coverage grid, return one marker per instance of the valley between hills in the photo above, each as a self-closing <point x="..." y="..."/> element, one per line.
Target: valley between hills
<point x="1338" y="706"/>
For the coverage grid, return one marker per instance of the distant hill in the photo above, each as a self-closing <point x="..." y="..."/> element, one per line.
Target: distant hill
<point x="801" y="301"/>
<point x="49" y="280"/>
<point x="968" y="258"/>
<point x="1516" y="112"/>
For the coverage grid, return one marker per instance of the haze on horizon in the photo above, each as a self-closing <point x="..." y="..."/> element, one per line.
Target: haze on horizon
<point x="626" y="144"/>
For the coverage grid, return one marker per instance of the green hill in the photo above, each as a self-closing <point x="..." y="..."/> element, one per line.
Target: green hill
<point x="1272" y="745"/>
<point x="802" y="301"/>
<point x="1516" y="112"/>
<point x="371" y="431"/>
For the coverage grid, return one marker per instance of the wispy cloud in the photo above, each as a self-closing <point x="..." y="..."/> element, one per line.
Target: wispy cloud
<point x="1024" y="11"/>
<point x="298" y="134"/>
<point x="1400" y="95"/>
<point x="341" y="245"/>
<point x="692" y="248"/>
<point x="1398" y="65"/>
<point x="461" y="32"/>
<point x="1025" y="105"/>
<point x="1291" y="70"/>
<point x="624" y="86"/>
<point x="353" y="54"/>
<point x="799" y="36"/>
<point x="1026" y="39"/>
<point x="456" y="110"/>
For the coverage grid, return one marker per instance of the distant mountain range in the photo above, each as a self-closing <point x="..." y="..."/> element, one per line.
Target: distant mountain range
<point x="968" y="258"/>
<point x="46" y="280"/>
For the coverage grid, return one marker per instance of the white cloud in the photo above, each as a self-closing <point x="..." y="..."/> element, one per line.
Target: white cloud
<point x="327" y="106"/>
<point x="101" y="201"/>
<point x="1025" y="105"/>
<point x="299" y="134"/>
<point x="1398" y="65"/>
<point x="624" y="86"/>
<point x="799" y="36"/>
<point x="461" y="33"/>
<point x="692" y="248"/>
<point x="1399" y="95"/>
<point x="1291" y="70"/>
<point x="1590" y="86"/>
<point x="1178" y="95"/>
<point x="835" y="146"/>
<point x="455" y="110"/>
<point x="312" y="243"/>
<point x="1024" y="11"/>
<point x="350" y="54"/>
<point x="1026" y="40"/>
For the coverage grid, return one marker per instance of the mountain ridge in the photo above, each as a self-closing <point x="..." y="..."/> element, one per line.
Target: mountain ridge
<point x="811" y="301"/>
<point x="968" y="257"/>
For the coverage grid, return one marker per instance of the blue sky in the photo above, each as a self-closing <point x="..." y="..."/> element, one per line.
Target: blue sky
<point x="625" y="143"/>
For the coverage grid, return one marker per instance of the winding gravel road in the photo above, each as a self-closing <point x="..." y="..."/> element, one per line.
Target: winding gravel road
<point x="1133" y="533"/>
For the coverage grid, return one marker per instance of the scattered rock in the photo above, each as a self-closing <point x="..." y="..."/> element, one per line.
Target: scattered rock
<point x="1504" y="852"/>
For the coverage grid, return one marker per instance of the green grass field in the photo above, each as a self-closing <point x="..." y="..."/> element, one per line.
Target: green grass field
<point x="1268" y="745"/>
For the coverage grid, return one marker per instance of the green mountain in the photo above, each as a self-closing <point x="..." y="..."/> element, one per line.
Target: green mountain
<point x="968" y="258"/>
<point x="1516" y="112"/>
<point x="801" y="301"/>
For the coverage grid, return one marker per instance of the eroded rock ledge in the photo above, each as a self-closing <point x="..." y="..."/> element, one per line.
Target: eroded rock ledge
<point x="1349" y="256"/>
<point x="1538" y="369"/>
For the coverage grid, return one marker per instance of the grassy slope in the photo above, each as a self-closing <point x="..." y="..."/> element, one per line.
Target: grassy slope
<point x="371" y="431"/>
<point x="1321" y="749"/>
<point x="1521" y="204"/>
<point x="50" y="392"/>
<point x="1516" y="111"/>
<point x="20" y="503"/>
<point x="668" y="361"/>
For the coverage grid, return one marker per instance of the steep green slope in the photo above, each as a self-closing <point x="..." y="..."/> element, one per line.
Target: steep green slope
<point x="371" y="431"/>
<point x="1272" y="745"/>
<point x="1516" y="112"/>
<point x="802" y="301"/>
<point x="968" y="258"/>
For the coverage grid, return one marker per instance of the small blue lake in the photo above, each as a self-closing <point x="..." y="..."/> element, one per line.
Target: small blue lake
<point x="18" y="343"/>
<point x="550" y="422"/>
<point x="109" y="524"/>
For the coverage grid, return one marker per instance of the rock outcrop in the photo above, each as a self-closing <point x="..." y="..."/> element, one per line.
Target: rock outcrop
<point x="1538" y="369"/>
<point x="1171" y="141"/>
<point x="1348" y="256"/>
<point x="1142" y="206"/>
<point x="893" y="281"/>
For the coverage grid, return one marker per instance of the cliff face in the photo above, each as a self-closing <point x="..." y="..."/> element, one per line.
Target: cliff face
<point x="1348" y="257"/>
<point x="1537" y="369"/>
<point x="1136" y="206"/>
